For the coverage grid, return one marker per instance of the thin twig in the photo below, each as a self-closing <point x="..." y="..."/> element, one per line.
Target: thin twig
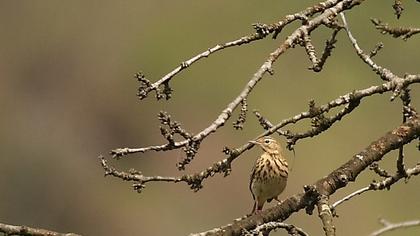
<point x="239" y="123"/>
<point x="322" y="123"/>
<point x="310" y="49"/>
<point x="329" y="46"/>
<point x="318" y="63"/>
<point x="396" y="32"/>
<point x="134" y="176"/>
<point x="350" y="196"/>
<point x="378" y="170"/>
<point x="406" y="99"/>
<point x="387" y="182"/>
<point x="376" y="49"/>
<point x="398" y="8"/>
<point x="384" y="73"/>
<point x="266" y="124"/>
<point x="384" y="184"/>
<point x="388" y="226"/>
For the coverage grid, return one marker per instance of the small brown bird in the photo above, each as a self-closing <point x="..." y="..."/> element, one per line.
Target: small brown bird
<point x="269" y="174"/>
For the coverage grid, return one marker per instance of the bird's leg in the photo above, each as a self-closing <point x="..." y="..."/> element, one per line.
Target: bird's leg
<point x="254" y="208"/>
<point x="257" y="208"/>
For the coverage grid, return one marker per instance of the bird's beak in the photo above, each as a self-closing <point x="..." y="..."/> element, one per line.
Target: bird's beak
<point x="253" y="142"/>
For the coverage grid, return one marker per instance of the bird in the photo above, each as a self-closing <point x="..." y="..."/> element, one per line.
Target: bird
<point x="269" y="174"/>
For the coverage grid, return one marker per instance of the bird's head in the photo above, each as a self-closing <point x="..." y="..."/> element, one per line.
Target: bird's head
<point x="268" y="144"/>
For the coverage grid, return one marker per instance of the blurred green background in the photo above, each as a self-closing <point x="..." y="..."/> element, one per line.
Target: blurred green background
<point x="67" y="95"/>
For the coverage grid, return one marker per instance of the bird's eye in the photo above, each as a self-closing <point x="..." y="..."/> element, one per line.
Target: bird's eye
<point x="267" y="141"/>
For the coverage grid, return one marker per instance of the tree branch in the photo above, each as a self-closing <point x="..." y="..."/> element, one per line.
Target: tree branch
<point x="388" y="226"/>
<point x="384" y="73"/>
<point x="384" y="184"/>
<point x="350" y="196"/>
<point x="325" y="213"/>
<point x="398" y="8"/>
<point x="396" y="32"/>
<point x="28" y="231"/>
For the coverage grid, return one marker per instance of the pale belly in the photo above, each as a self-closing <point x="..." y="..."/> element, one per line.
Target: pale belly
<point x="268" y="189"/>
